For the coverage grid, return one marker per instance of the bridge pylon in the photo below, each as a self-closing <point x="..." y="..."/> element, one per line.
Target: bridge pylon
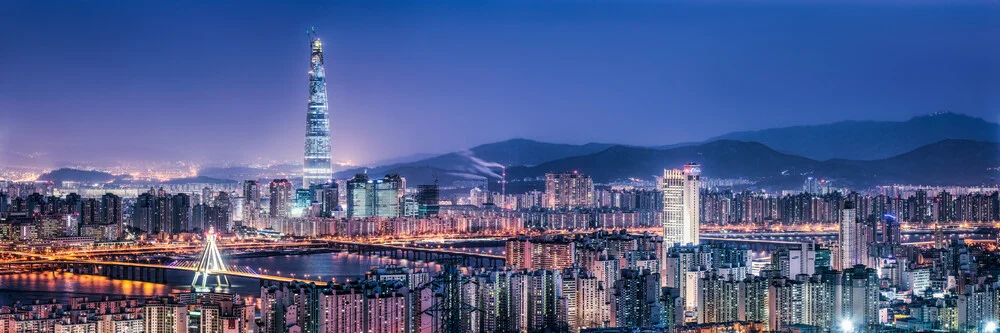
<point x="210" y="264"/>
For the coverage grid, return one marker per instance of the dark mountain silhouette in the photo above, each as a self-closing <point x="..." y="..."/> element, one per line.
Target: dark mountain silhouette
<point x="728" y="158"/>
<point x="949" y="162"/>
<point x="83" y="176"/>
<point x="870" y="140"/>
<point x="479" y="162"/>
<point x="516" y="152"/>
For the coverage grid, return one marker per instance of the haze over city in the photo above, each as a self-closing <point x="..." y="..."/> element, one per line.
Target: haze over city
<point x="222" y="81"/>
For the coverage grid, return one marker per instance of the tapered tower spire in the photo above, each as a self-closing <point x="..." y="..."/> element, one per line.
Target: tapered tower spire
<point x="316" y="167"/>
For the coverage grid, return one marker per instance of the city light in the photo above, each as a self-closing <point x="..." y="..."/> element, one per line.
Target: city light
<point x="846" y="325"/>
<point x="113" y="196"/>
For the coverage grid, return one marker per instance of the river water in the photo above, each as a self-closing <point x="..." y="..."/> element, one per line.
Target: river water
<point x="321" y="266"/>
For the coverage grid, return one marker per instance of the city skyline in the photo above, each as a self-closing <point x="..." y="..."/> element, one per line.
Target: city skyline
<point x="391" y="76"/>
<point x="189" y="197"/>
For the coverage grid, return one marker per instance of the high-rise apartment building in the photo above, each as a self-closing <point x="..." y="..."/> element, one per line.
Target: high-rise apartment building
<point x="568" y="190"/>
<point x="181" y="213"/>
<point x="251" y="201"/>
<point x="855" y="236"/>
<point x="860" y="298"/>
<point x="281" y="197"/>
<point x="330" y="199"/>
<point x="112" y="214"/>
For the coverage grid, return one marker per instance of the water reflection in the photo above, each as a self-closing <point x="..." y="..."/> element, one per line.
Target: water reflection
<point x="325" y="266"/>
<point x="60" y="285"/>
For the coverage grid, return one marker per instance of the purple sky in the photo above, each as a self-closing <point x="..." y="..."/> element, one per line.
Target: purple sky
<point x="108" y="81"/>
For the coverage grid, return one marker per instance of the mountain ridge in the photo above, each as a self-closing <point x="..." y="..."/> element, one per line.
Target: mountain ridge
<point x="868" y="139"/>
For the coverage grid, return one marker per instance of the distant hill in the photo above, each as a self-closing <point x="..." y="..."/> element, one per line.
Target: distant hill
<point x="727" y="158"/>
<point x="479" y="162"/>
<point x="516" y="152"/>
<point x="870" y="140"/>
<point x="949" y="162"/>
<point x="83" y="176"/>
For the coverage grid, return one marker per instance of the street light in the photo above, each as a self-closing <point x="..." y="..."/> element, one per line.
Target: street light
<point x="990" y="327"/>
<point x="846" y="325"/>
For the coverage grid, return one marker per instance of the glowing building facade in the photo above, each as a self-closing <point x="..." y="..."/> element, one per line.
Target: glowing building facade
<point x="681" y="205"/>
<point x="316" y="167"/>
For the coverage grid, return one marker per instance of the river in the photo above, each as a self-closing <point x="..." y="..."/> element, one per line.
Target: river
<point x="61" y="286"/>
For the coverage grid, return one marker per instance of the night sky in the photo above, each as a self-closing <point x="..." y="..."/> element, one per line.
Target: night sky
<point x="111" y="81"/>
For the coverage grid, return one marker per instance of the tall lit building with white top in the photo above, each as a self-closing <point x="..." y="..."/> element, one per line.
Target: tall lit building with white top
<point x="681" y="205"/>
<point x="316" y="167"/>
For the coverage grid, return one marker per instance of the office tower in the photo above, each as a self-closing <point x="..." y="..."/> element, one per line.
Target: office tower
<point x="389" y="196"/>
<point x="281" y="196"/>
<point x="181" y="211"/>
<point x="860" y="296"/>
<point x="568" y="190"/>
<point x="316" y="167"/>
<point x="302" y="203"/>
<point x="251" y="202"/>
<point x="360" y="196"/>
<point x="380" y="197"/>
<point x="428" y="197"/>
<point x="681" y="205"/>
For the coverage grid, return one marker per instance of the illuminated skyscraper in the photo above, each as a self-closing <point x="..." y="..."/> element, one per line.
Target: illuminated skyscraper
<point x="281" y="196"/>
<point x="375" y="197"/>
<point x="681" y="205"/>
<point x="316" y="168"/>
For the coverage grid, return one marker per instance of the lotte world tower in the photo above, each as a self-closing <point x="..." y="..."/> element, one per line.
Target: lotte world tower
<point x="316" y="167"/>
